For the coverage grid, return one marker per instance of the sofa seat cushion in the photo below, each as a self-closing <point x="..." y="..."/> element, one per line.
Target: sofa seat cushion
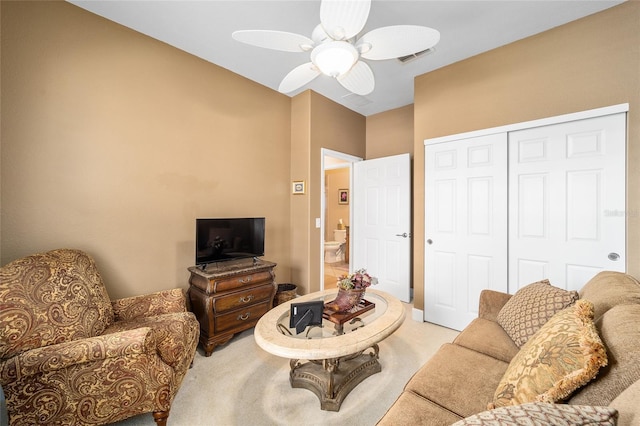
<point x="531" y="307"/>
<point x="544" y="413"/>
<point x="627" y="405"/>
<point x="608" y="289"/>
<point x="489" y="338"/>
<point x="563" y="355"/>
<point x="411" y="409"/>
<point x="620" y="331"/>
<point x="459" y="379"/>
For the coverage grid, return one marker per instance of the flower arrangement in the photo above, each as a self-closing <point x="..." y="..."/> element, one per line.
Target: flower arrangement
<point x="360" y="279"/>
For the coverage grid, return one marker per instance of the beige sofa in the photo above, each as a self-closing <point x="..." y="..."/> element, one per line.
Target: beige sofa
<point x="461" y="379"/>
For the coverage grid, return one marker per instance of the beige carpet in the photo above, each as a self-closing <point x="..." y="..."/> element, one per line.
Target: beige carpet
<point x="240" y="384"/>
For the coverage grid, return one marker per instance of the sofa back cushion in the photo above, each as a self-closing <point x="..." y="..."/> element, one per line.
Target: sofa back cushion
<point x="619" y="329"/>
<point x="608" y="289"/>
<point x="51" y="298"/>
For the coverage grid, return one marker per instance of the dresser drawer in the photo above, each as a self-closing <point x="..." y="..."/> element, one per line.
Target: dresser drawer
<point x="243" y="298"/>
<point x="241" y="280"/>
<point x="241" y="318"/>
<point x="228" y="298"/>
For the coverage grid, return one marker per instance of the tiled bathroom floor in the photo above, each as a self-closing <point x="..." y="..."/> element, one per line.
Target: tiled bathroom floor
<point x="332" y="271"/>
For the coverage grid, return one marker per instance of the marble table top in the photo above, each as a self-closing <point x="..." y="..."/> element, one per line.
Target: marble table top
<point x="387" y="318"/>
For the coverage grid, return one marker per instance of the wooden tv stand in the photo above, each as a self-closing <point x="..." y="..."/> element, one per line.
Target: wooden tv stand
<point x="230" y="297"/>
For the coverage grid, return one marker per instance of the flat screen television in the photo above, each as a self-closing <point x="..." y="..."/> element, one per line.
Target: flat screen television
<point x="225" y="239"/>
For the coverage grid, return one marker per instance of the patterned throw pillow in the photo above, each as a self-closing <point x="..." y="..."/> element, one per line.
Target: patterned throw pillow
<point x="563" y="355"/>
<point x="532" y="306"/>
<point x="540" y="413"/>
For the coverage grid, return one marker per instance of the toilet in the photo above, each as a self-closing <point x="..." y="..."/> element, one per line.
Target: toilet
<point x="334" y="250"/>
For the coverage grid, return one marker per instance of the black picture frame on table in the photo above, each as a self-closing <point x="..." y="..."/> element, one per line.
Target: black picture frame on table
<point x="305" y="314"/>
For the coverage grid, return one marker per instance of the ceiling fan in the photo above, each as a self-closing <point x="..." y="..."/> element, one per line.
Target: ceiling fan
<point x="336" y="51"/>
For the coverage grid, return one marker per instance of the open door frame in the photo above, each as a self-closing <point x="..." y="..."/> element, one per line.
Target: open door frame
<point x="320" y="222"/>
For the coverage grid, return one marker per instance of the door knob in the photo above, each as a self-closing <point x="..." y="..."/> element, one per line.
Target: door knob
<point x="613" y="256"/>
<point x="403" y="235"/>
<point x="429" y="241"/>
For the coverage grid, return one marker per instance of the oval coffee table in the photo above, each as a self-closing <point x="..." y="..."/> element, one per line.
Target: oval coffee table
<point x="338" y="357"/>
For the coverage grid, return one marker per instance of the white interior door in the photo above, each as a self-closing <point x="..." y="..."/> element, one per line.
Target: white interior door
<point x="567" y="193"/>
<point x="381" y="227"/>
<point x="465" y="226"/>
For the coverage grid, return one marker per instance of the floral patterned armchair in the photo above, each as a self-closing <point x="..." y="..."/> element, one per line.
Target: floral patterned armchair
<point x="71" y="356"/>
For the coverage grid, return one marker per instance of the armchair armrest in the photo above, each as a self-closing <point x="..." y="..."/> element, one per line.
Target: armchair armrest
<point x="64" y="355"/>
<point x="148" y="305"/>
<point x="491" y="302"/>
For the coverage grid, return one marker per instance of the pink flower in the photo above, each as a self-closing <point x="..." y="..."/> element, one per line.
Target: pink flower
<point x="357" y="280"/>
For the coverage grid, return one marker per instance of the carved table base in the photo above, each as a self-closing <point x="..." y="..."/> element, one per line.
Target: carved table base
<point x="332" y="379"/>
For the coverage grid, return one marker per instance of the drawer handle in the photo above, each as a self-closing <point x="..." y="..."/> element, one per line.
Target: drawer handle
<point x="246" y="299"/>
<point x="244" y="316"/>
<point x="245" y="280"/>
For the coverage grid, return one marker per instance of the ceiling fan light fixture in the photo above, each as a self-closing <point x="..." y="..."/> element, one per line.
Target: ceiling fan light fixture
<point x="334" y="58"/>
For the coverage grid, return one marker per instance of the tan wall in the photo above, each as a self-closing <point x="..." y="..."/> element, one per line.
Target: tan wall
<point x="586" y="64"/>
<point x="339" y="129"/>
<point x="390" y="133"/>
<point x="336" y="180"/>
<point x="114" y="143"/>
<point x="300" y="204"/>
<point x="316" y="123"/>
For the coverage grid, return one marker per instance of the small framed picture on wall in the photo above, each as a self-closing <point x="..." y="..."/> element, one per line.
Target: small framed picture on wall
<point x="297" y="187"/>
<point x="343" y="196"/>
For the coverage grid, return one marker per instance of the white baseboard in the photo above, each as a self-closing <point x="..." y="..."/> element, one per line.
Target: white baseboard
<point x="417" y="315"/>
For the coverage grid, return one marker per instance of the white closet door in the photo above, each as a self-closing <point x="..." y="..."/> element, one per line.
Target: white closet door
<point x="465" y="226"/>
<point x="567" y="201"/>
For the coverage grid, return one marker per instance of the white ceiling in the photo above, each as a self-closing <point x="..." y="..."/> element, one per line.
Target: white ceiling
<point x="467" y="28"/>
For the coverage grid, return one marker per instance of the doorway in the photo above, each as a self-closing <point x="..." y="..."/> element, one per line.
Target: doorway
<point x="335" y="205"/>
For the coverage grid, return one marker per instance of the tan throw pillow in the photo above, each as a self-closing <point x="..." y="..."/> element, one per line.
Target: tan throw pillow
<point x="563" y="355"/>
<point x="531" y="307"/>
<point x="540" y="413"/>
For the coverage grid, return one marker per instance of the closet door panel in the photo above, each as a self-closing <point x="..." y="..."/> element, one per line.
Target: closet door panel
<point x="566" y="185"/>
<point x="466" y="226"/>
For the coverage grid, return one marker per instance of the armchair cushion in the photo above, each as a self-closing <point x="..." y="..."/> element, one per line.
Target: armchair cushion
<point x="98" y="391"/>
<point x="51" y="298"/>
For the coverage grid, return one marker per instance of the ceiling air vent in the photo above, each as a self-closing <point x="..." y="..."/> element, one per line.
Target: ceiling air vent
<point x="409" y="58"/>
<point x="356" y="100"/>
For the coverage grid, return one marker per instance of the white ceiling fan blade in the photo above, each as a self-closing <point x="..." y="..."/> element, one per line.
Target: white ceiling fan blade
<point x="277" y="40"/>
<point x="344" y="19"/>
<point x="396" y="41"/>
<point x="298" y="77"/>
<point x="359" y="79"/>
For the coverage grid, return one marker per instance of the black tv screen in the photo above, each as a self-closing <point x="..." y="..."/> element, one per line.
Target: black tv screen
<point x="223" y="239"/>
